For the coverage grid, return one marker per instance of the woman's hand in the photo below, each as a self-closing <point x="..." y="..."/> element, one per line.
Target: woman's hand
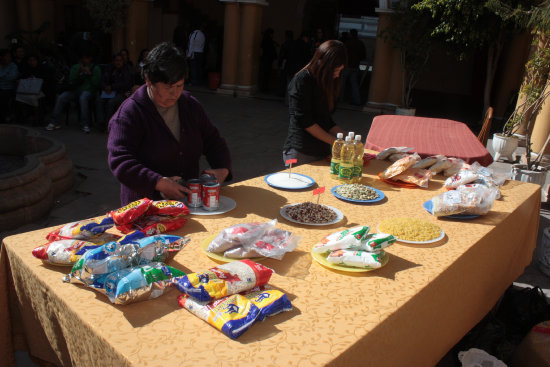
<point x="171" y="188"/>
<point x="219" y="173"/>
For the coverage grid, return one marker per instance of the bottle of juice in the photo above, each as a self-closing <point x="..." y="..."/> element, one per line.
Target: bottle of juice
<point x="358" y="159"/>
<point x="351" y="134"/>
<point x="336" y="155"/>
<point x="345" y="173"/>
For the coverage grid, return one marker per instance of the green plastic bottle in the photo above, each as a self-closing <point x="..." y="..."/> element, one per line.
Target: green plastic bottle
<point x="358" y="159"/>
<point x="345" y="173"/>
<point x="336" y="154"/>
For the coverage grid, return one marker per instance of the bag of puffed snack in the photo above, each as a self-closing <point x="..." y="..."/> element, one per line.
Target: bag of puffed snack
<point x="239" y="234"/>
<point x="392" y="150"/>
<point x="167" y="207"/>
<point x="357" y="259"/>
<point x="269" y="301"/>
<point x="441" y="165"/>
<point x="154" y="224"/>
<point x="343" y="239"/>
<point x="67" y="252"/>
<point x="456" y="165"/>
<point x="131" y="212"/>
<point x="417" y="176"/>
<point x="224" y="280"/>
<point x="374" y="242"/>
<point x="487" y="194"/>
<point x="453" y="202"/>
<point x="140" y="283"/>
<point x="81" y="230"/>
<point x="396" y="156"/>
<point x="428" y="161"/>
<point x="400" y="166"/>
<point x="462" y="177"/>
<point x="232" y="315"/>
<point x="274" y="243"/>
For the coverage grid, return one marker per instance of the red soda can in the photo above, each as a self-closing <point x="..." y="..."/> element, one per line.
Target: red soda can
<point x="194" y="199"/>
<point x="207" y="177"/>
<point x="211" y="195"/>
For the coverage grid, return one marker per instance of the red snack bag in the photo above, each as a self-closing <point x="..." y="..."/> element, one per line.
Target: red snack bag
<point x="151" y="225"/>
<point x="167" y="207"/>
<point x="131" y="212"/>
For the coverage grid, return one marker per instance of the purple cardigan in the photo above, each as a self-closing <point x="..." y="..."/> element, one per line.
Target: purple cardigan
<point x="142" y="149"/>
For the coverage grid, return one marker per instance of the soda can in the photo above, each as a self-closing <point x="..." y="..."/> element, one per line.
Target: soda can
<point x="194" y="199"/>
<point x="211" y="196"/>
<point x="207" y="177"/>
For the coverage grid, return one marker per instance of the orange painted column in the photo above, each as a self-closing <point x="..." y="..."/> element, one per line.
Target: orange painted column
<point x="249" y="49"/>
<point x="137" y="28"/>
<point x="230" y="48"/>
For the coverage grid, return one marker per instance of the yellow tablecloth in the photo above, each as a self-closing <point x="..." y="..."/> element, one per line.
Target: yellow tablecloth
<point x="408" y="313"/>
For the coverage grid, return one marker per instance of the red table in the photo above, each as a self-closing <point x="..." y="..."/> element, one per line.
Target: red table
<point x="427" y="137"/>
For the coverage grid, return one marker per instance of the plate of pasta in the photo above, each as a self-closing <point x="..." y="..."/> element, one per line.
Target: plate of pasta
<point x="411" y="230"/>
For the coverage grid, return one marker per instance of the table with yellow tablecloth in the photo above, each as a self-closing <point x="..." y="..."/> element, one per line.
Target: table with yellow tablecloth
<point x="408" y="313"/>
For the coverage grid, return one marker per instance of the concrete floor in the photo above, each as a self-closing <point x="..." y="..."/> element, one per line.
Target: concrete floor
<point x="255" y="129"/>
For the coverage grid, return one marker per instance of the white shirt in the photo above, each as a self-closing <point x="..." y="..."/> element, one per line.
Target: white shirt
<point x="196" y="43"/>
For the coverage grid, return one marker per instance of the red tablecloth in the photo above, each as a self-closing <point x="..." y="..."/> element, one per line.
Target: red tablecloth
<point x="428" y="136"/>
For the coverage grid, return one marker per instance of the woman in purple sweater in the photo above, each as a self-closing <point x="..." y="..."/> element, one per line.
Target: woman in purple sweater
<point x="158" y="134"/>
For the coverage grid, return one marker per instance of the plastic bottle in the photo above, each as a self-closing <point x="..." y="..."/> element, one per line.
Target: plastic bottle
<point x="345" y="173"/>
<point x="336" y="154"/>
<point x="351" y="134"/>
<point x="358" y="159"/>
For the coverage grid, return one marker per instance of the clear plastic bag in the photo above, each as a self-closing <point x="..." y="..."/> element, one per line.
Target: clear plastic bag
<point x="238" y="235"/>
<point x="392" y="150"/>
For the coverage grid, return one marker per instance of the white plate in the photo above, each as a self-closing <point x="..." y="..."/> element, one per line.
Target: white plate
<point x="226" y="204"/>
<point x="439" y="238"/>
<point x="339" y="216"/>
<point x="294" y="181"/>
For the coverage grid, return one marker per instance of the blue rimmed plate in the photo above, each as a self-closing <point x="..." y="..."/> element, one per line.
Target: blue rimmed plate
<point x="380" y="197"/>
<point x="293" y="181"/>
<point x="428" y="205"/>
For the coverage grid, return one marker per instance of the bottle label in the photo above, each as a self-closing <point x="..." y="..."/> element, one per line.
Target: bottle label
<point x="358" y="171"/>
<point x="334" y="167"/>
<point x="346" y="172"/>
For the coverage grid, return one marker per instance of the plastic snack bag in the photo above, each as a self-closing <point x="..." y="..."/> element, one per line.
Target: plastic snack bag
<point x="232" y="315"/>
<point x="131" y="212"/>
<point x="400" y="166"/>
<point x="392" y="150"/>
<point x="140" y="283"/>
<point x="238" y="235"/>
<point x="428" y="161"/>
<point x="274" y="243"/>
<point x="396" y="156"/>
<point x="167" y="207"/>
<point x="456" y="165"/>
<point x="441" y="165"/>
<point x="417" y="176"/>
<point x="453" y="202"/>
<point x="357" y="259"/>
<point x="63" y="252"/>
<point x="374" y="242"/>
<point x="461" y="178"/>
<point x="269" y="301"/>
<point x="486" y="194"/>
<point x="154" y="224"/>
<point x="81" y="230"/>
<point x="224" y="280"/>
<point x="340" y="240"/>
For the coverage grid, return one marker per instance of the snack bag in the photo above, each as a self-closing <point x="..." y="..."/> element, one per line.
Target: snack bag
<point x="238" y="235"/>
<point x="232" y="315"/>
<point x="456" y="165"/>
<point x="167" y="207"/>
<point x="462" y="177"/>
<point x="81" y="230"/>
<point x="442" y="164"/>
<point x="154" y="224"/>
<point x="453" y="202"/>
<point x="340" y="240"/>
<point x="417" y="176"/>
<point x="396" y="156"/>
<point x="392" y="150"/>
<point x="274" y="243"/>
<point x="140" y="283"/>
<point x="357" y="259"/>
<point x="131" y="212"/>
<point x="400" y="166"/>
<point x="427" y="162"/>
<point x="63" y="252"/>
<point x="487" y="195"/>
<point x="224" y="280"/>
<point x="269" y="301"/>
<point x="374" y="242"/>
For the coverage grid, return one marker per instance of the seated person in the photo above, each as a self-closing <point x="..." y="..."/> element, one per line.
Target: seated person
<point x="116" y="81"/>
<point x="8" y="80"/>
<point x="159" y="133"/>
<point x="29" y="100"/>
<point x="84" y="79"/>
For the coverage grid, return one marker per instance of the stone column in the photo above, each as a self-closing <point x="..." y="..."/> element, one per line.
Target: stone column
<point x="542" y="128"/>
<point x="230" y="48"/>
<point x="137" y="24"/>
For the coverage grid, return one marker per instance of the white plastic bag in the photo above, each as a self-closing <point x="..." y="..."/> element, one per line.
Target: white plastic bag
<point x="479" y="358"/>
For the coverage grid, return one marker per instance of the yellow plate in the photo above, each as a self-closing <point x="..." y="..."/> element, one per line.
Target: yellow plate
<point x="321" y="258"/>
<point x="217" y="256"/>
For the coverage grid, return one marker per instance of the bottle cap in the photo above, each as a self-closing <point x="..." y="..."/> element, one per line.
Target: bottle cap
<point x="351" y="134"/>
<point x="339" y="136"/>
<point x="348" y="138"/>
<point x="358" y="137"/>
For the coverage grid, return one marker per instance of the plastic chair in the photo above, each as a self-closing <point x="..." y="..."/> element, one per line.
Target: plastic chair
<point x="486" y="128"/>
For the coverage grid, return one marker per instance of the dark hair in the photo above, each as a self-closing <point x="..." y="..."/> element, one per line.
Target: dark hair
<point x="4" y="51"/>
<point x="165" y="63"/>
<point x="328" y="56"/>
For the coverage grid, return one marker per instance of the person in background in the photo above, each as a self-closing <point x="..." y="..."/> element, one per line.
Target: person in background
<point x="159" y="133"/>
<point x="312" y="95"/>
<point x="84" y="80"/>
<point x="269" y="54"/>
<point x="356" y="53"/>
<point x="32" y="104"/>
<point x="19" y="57"/>
<point x="8" y="82"/>
<point x="117" y="80"/>
<point x="138" y="77"/>
<point x="126" y="57"/>
<point x="195" y="54"/>
<point x="284" y="53"/>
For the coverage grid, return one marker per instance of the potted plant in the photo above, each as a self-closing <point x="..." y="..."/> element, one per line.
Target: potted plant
<point x="409" y="32"/>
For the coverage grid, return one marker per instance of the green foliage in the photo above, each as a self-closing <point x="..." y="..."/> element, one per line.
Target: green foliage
<point x="108" y="15"/>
